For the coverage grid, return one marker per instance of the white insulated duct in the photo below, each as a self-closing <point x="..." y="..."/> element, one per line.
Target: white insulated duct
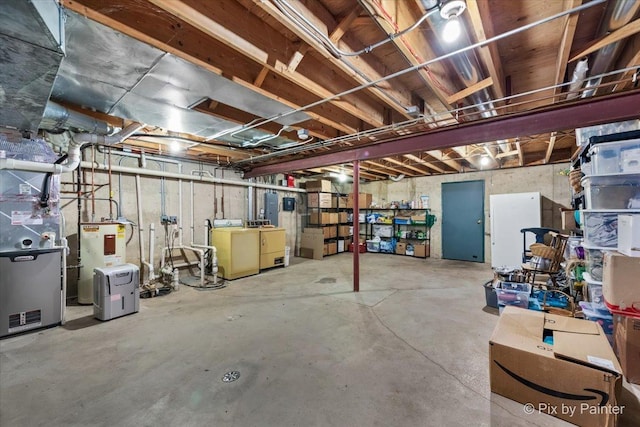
<point x="579" y="74"/>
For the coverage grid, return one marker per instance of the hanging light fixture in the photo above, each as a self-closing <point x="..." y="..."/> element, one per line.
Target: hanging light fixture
<point x="451" y="11"/>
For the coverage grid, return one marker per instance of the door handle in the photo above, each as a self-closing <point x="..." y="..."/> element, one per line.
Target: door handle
<point x="479" y="221"/>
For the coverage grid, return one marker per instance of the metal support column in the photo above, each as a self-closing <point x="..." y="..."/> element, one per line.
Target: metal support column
<point x="356" y="226"/>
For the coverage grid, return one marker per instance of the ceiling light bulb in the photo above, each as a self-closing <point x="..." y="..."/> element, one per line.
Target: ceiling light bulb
<point x="342" y="177"/>
<point x="451" y="30"/>
<point x="175" y="146"/>
<point x="484" y="160"/>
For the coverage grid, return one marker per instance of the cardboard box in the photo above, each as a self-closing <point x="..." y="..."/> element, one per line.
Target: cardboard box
<point x="321" y="185"/>
<point x="332" y="248"/>
<point x="306" y="253"/>
<point x="334" y="218"/>
<point x="364" y="200"/>
<point x="330" y="231"/>
<point x="420" y="251"/>
<point x="401" y="248"/>
<point x="343" y="202"/>
<point x="317" y="217"/>
<point x="419" y="219"/>
<point x="626" y="336"/>
<point x="321" y="200"/>
<point x="344" y="230"/>
<point x="620" y="283"/>
<point x="313" y="239"/>
<point x="577" y="379"/>
<point x="343" y="217"/>
<point x="568" y="219"/>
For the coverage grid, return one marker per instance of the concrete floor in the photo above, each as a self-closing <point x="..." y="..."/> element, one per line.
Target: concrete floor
<point x="411" y="349"/>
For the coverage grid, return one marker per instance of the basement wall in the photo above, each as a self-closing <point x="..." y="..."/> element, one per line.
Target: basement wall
<point x="548" y="180"/>
<point x="232" y="203"/>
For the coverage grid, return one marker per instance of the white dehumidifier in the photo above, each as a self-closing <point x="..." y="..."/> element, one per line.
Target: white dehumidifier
<point x="116" y="291"/>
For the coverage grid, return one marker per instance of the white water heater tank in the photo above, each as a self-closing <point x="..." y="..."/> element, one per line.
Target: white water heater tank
<point x="101" y="245"/>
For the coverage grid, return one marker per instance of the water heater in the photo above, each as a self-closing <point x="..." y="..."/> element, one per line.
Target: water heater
<point x="101" y="245"/>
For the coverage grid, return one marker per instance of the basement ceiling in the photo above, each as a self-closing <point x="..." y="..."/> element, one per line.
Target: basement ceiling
<point x="256" y="83"/>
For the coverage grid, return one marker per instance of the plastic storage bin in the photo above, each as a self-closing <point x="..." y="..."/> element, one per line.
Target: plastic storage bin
<point x="373" y="246"/>
<point x="516" y="294"/>
<point x="603" y="317"/>
<point x="611" y="192"/>
<point x="594" y="289"/>
<point x="584" y="134"/>
<point x="607" y="157"/>
<point x="593" y="259"/>
<point x="600" y="229"/>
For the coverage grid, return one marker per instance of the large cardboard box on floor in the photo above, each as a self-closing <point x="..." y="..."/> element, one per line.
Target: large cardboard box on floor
<point x="313" y="239"/>
<point x="626" y="337"/>
<point x="577" y="379"/>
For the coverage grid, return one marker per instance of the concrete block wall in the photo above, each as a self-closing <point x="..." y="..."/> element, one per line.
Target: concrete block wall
<point x="549" y="180"/>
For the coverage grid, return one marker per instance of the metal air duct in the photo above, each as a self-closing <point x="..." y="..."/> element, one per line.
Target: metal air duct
<point x="32" y="40"/>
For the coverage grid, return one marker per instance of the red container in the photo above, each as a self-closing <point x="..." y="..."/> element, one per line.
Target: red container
<point x="362" y="247"/>
<point x="290" y="181"/>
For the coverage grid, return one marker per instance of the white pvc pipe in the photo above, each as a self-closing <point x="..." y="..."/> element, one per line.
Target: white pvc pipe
<point x="148" y="172"/>
<point x="152" y="240"/>
<point x="143" y="261"/>
<point x="180" y="217"/>
<point x="193" y="224"/>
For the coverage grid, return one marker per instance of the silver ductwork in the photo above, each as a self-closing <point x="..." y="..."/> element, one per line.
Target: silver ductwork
<point x="56" y="117"/>
<point x="618" y="14"/>
<point x="32" y="40"/>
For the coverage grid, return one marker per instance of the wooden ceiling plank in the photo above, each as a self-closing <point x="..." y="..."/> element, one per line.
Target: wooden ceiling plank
<point x="520" y="155"/>
<point x="424" y="162"/>
<point x="384" y="167"/>
<point x="630" y="29"/>
<point x="343" y="25"/>
<point x="261" y="76"/>
<point x="410" y="44"/>
<point x="488" y="54"/>
<point x="372" y="74"/>
<point x="552" y="143"/>
<point x="571" y="22"/>
<point x="220" y="33"/>
<point x="296" y="58"/>
<point x="404" y="165"/>
<point x="470" y="90"/>
<point x="627" y="76"/>
<point x="507" y="154"/>
<point x="439" y="155"/>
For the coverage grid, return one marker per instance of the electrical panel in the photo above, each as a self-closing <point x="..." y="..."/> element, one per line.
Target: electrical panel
<point x="288" y="204"/>
<point x="271" y="208"/>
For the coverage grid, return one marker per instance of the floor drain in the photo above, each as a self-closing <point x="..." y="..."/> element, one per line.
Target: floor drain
<point x="230" y="376"/>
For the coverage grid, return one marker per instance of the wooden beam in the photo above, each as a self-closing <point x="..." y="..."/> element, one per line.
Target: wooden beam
<point x="344" y="25"/>
<point x="261" y="76"/>
<point x="439" y="155"/>
<point x="627" y="76"/>
<point x="424" y="162"/>
<point x="378" y="165"/>
<point x="220" y="33"/>
<point x="488" y="54"/>
<point x="388" y="96"/>
<point x="413" y="168"/>
<point x="630" y="29"/>
<point x="506" y="154"/>
<point x="520" y="154"/>
<point x="571" y="21"/>
<point x="552" y="143"/>
<point x="296" y="58"/>
<point x="470" y="90"/>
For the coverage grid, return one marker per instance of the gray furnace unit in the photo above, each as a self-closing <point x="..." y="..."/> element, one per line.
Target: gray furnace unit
<point x="116" y="291"/>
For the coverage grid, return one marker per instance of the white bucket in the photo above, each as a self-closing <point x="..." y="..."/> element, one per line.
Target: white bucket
<point x="287" y="251"/>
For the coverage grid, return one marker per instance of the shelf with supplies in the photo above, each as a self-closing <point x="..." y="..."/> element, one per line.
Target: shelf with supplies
<point x="398" y="231"/>
<point x="327" y="225"/>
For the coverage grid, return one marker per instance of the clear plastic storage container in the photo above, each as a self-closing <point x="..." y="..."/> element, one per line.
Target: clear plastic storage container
<point x="600" y="229"/>
<point x="594" y="259"/>
<point x="615" y="157"/>
<point x="612" y="191"/>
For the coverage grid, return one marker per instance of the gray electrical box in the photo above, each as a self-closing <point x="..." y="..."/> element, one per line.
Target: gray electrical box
<point x="271" y="208"/>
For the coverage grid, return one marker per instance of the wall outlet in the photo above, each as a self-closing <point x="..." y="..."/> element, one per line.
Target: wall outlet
<point x="168" y="219"/>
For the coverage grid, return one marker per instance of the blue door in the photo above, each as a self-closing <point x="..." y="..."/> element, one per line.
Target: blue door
<point x="463" y="220"/>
